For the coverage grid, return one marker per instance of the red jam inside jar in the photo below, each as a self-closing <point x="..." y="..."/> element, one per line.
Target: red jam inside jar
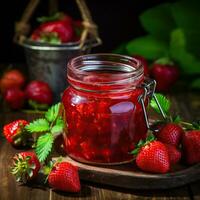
<point x="103" y="114"/>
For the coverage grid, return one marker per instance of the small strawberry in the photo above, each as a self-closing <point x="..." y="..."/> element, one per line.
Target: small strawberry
<point x="25" y="166"/>
<point x="39" y="94"/>
<point x="15" y="133"/>
<point x="144" y="63"/>
<point x="191" y="146"/>
<point x="152" y="156"/>
<point x="174" y="154"/>
<point x="64" y="176"/>
<point x="11" y="79"/>
<point x="165" y="73"/>
<point x="15" y="98"/>
<point x="170" y="134"/>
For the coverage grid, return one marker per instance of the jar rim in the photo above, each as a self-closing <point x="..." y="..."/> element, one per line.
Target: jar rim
<point x="123" y="69"/>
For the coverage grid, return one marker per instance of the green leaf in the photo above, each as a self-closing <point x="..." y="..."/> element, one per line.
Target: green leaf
<point x="195" y="84"/>
<point x="177" y="119"/>
<point x="164" y="103"/>
<point x="58" y="127"/>
<point x="158" y="21"/>
<point x="187" y="62"/>
<point x="39" y="125"/>
<point x="189" y="24"/>
<point x="121" y="49"/>
<point x="52" y="112"/>
<point x="44" y="146"/>
<point x="55" y="16"/>
<point x="147" y="46"/>
<point x="37" y="106"/>
<point x="135" y="151"/>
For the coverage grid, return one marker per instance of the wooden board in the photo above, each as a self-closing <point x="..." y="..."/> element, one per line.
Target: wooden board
<point x="130" y="177"/>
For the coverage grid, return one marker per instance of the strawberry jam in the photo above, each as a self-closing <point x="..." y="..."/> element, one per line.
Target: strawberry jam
<point x="103" y="114"/>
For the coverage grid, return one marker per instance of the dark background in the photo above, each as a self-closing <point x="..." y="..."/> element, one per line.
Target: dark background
<point x="117" y="20"/>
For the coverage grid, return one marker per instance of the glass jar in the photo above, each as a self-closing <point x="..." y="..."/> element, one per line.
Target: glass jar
<point x="103" y="113"/>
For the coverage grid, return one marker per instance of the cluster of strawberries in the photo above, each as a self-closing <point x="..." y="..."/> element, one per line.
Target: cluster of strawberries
<point x="26" y="166"/>
<point x="172" y="145"/>
<point x="16" y="92"/>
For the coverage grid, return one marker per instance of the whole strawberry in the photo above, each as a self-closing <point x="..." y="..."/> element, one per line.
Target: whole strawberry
<point x="25" y="166"/>
<point x="174" y="154"/>
<point x="39" y="92"/>
<point x="15" y="133"/>
<point x="144" y="63"/>
<point x="11" y="79"/>
<point x="165" y="73"/>
<point x="15" y="98"/>
<point x="170" y="134"/>
<point x="191" y="146"/>
<point x="54" y="29"/>
<point x="64" y="176"/>
<point x="152" y="156"/>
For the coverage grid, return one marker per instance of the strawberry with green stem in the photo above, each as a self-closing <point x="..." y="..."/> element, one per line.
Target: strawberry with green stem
<point x="48" y="128"/>
<point x="169" y="130"/>
<point x="16" y="134"/>
<point x="152" y="156"/>
<point x="191" y="143"/>
<point x="62" y="176"/>
<point x="25" y="166"/>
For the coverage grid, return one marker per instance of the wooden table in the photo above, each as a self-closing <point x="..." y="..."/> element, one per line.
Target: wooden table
<point x="186" y="104"/>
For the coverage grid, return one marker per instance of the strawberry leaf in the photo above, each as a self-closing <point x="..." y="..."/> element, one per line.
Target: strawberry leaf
<point x="53" y="17"/>
<point x="44" y="146"/>
<point x="148" y="46"/>
<point x="196" y="125"/>
<point x="135" y="151"/>
<point x="164" y="103"/>
<point x="39" y="125"/>
<point x="177" y="119"/>
<point x="158" y="20"/>
<point x="58" y="127"/>
<point x="52" y="112"/>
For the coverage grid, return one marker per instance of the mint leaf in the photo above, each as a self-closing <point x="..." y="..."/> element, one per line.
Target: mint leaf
<point x="58" y="127"/>
<point x="44" y="146"/>
<point x="158" y="21"/>
<point x="39" y="125"/>
<point x="164" y="103"/>
<point x="52" y="112"/>
<point x="147" y="46"/>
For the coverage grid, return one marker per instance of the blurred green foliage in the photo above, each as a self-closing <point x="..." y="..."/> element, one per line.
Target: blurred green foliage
<point x="173" y="30"/>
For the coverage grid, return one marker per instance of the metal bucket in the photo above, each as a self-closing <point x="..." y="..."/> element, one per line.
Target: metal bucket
<point x="49" y="62"/>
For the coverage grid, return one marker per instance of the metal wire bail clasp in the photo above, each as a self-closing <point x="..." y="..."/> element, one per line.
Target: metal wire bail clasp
<point x="149" y="86"/>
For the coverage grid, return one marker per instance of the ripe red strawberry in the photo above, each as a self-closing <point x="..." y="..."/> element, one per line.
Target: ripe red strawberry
<point x="170" y="134"/>
<point x="144" y="63"/>
<point x="11" y="79"/>
<point x="15" y="132"/>
<point x="153" y="157"/>
<point x="15" y="98"/>
<point x="39" y="92"/>
<point x="191" y="146"/>
<point x="54" y="28"/>
<point x="64" y="176"/>
<point x="165" y="73"/>
<point x="25" y="166"/>
<point x="174" y="153"/>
